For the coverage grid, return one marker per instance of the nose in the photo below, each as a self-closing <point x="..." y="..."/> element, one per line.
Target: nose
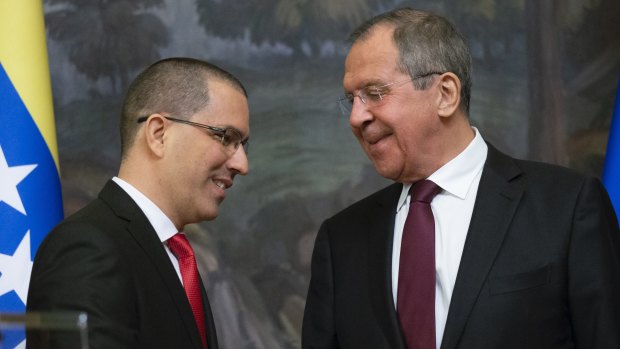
<point x="359" y="113"/>
<point x="238" y="163"/>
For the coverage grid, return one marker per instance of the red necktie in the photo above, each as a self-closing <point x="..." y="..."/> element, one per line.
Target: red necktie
<point x="181" y="248"/>
<point x="415" y="302"/>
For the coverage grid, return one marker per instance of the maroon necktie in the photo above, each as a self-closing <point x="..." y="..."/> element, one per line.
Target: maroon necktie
<point x="415" y="303"/>
<point x="181" y="248"/>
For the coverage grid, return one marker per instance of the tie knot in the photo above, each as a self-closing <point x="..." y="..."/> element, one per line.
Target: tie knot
<point x="180" y="247"/>
<point x="424" y="191"/>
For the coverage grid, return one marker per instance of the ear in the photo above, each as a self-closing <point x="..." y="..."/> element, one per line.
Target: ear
<point x="450" y="94"/>
<point x="155" y="134"/>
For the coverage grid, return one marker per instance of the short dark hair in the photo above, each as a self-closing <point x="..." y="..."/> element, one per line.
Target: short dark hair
<point x="177" y="86"/>
<point x="426" y="43"/>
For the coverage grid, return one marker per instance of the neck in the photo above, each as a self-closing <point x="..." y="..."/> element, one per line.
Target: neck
<point x="451" y="140"/>
<point x="140" y="175"/>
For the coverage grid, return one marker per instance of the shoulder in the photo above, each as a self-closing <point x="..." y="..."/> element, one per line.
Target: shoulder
<point x="93" y="228"/>
<point x="546" y="176"/>
<point x="545" y="185"/>
<point x="553" y="176"/>
<point x="84" y="249"/>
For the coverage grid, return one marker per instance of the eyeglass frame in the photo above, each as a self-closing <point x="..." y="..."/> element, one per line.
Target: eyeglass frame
<point x="218" y="132"/>
<point x="346" y="102"/>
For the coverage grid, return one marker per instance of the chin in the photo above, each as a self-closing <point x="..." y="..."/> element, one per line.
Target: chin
<point x="210" y="216"/>
<point x="207" y="215"/>
<point x="386" y="171"/>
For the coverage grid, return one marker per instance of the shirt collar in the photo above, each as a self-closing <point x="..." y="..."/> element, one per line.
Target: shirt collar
<point x="457" y="175"/>
<point x="163" y="226"/>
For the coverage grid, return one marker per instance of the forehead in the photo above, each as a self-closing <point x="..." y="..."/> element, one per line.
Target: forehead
<point x="372" y="59"/>
<point x="227" y="107"/>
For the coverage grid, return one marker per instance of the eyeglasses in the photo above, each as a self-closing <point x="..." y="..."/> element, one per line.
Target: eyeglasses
<point x="371" y="96"/>
<point x="230" y="138"/>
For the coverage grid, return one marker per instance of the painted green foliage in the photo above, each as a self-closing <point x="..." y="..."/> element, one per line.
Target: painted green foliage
<point x="107" y="39"/>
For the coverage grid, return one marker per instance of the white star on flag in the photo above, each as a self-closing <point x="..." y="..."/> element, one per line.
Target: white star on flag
<point x="16" y="270"/>
<point x="10" y="177"/>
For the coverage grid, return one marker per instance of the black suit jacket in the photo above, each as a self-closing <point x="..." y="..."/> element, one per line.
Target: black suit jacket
<point x="107" y="260"/>
<point x="540" y="267"/>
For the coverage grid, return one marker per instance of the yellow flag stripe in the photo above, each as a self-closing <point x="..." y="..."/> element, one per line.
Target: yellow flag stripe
<point x="23" y="53"/>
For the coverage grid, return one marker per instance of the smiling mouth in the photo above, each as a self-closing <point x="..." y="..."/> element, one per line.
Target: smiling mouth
<point x="222" y="184"/>
<point x="372" y="140"/>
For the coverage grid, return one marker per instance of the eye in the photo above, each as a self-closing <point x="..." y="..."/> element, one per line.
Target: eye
<point x="374" y="94"/>
<point x="227" y="138"/>
<point x="231" y="137"/>
<point x="348" y="97"/>
<point x="218" y="134"/>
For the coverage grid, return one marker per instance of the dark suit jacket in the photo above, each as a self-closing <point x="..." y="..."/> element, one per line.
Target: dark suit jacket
<point x="540" y="267"/>
<point x="108" y="261"/>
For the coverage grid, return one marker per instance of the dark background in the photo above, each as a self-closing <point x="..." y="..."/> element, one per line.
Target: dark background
<point x="545" y="74"/>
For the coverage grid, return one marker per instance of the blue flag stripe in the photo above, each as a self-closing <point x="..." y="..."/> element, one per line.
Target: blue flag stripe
<point x="40" y="192"/>
<point x="611" y="172"/>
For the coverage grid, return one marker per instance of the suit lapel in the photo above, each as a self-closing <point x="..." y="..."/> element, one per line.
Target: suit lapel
<point x="496" y="202"/>
<point x="144" y="234"/>
<point x="380" y="234"/>
<point x="210" y="323"/>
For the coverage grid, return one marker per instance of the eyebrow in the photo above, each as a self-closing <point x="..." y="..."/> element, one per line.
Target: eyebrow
<point x="369" y="83"/>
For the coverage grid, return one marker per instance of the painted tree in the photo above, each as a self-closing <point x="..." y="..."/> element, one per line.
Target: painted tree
<point x="107" y="39"/>
<point x="553" y="73"/>
<point x="593" y="61"/>
<point x="303" y="25"/>
<point x="547" y="25"/>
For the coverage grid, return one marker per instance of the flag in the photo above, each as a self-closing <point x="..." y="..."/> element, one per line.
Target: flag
<point x="30" y="194"/>
<point x="611" y="171"/>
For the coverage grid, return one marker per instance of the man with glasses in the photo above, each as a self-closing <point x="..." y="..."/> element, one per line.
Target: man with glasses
<point x="124" y="258"/>
<point x="470" y="248"/>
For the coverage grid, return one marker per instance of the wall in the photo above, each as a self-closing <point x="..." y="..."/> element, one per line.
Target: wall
<point x="304" y="163"/>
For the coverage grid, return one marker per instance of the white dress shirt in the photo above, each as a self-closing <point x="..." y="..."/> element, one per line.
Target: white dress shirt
<point x="163" y="226"/>
<point x="452" y="209"/>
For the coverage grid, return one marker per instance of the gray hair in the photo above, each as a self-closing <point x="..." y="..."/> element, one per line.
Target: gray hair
<point x="426" y="43"/>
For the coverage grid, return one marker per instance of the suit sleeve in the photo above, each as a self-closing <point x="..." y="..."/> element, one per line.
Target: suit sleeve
<point x="77" y="268"/>
<point x="318" y="330"/>
<point x="594" y="270"/>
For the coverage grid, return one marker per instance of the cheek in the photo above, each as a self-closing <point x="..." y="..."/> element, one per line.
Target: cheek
<point x="357" y="133"/>
<point x="405" y="140"/>
<point x="209" y="163"/>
